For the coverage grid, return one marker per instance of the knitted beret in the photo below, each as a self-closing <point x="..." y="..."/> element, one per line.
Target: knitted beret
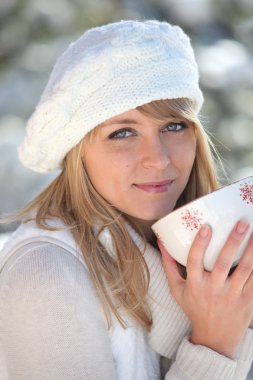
<point x="107" y="71"/>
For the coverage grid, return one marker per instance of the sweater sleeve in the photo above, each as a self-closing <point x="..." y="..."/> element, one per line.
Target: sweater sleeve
<point x="245" y="358"/>
<point x="199" y="362"/>
<point x="51" y="325"/>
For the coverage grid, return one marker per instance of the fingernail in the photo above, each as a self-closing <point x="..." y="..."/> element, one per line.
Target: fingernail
<point x="204" y="231"/>
<point x="242" y="226"/>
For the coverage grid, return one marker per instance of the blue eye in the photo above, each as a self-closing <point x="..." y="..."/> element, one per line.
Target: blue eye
<point x="121" y="134"/>
<point x="175" y="127"/>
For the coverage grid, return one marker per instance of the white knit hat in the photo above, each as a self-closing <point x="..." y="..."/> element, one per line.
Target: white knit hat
<point x="107" y="71"/>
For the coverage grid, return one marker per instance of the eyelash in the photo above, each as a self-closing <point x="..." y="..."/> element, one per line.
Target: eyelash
<point x="182" y="124"/>
<point x="115" y="135"/>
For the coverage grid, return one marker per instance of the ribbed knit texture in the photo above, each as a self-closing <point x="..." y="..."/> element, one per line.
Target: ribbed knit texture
<point x="165" y="310"/>
<point x="52" y="326"/>
<point x="107" y="71"/>
<point x="201" y="363"/>
<point x="245" y="357"/>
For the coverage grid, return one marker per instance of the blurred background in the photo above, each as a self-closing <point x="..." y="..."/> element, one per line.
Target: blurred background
<point x="34" y="32"/>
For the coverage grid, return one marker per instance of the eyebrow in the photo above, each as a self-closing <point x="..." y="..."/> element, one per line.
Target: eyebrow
<point x="121" y="121"/>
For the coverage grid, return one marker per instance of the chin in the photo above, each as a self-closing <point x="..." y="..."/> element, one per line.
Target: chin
<point x="149" y="214"/>
<point x="158" y="214"/>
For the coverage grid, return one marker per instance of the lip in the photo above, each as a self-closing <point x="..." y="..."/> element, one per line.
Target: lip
<point x="154" y="187"/>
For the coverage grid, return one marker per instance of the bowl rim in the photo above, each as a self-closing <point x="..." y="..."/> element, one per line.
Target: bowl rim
<point x="204" y="196"/>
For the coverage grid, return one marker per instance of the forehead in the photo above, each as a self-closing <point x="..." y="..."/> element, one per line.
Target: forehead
<point x="139" y="116"/>
<point x="131" y="116"/>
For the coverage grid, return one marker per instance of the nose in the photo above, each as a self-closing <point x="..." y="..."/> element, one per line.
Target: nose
<point x="155" y="154"/>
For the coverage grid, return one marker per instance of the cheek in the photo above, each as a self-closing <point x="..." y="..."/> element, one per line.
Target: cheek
<point x="185" y="154"/>
<point x="108" y="172"/>
<point x="93" y="164"/>
<point x="191" y="153"/>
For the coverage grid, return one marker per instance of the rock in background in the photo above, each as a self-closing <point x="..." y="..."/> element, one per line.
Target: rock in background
<point x="34" y="32"/>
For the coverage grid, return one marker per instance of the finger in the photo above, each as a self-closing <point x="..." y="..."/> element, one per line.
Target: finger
<point x="226" y="258"/>
<point x="172" y="271"/>
<point x="242" y="278"/>
<point x="195" y="258"/>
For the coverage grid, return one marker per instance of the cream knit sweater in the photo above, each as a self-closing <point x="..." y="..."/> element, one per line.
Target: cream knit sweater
<point x="52" y="326"/>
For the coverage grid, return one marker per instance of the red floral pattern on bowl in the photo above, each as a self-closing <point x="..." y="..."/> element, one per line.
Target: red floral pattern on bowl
<point x="192" y="219"/>
<point x="246" y="192"/>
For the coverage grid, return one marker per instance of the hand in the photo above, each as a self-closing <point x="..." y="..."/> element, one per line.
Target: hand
<point x="219" y="306"/>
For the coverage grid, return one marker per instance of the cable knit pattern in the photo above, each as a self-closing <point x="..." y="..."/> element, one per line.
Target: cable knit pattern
<point x="52" y="327"/>
<point x="107" y="71"/>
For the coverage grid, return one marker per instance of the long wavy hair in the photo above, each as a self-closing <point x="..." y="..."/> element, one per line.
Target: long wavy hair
<point x="121" y="280"/>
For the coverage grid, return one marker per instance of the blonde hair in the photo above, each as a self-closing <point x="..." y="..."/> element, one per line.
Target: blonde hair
<point x="121" y="280"/>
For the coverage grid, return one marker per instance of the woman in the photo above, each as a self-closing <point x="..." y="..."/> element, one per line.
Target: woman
<point x="84" y="293"/>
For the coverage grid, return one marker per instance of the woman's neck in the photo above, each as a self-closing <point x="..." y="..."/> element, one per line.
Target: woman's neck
<point x="145" y="227"/>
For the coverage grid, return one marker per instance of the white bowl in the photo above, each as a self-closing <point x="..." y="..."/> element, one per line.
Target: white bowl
<point x="220" y="209"/>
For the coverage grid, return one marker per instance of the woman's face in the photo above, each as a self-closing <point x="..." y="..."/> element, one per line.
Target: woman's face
<point x="140" y="166"/>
